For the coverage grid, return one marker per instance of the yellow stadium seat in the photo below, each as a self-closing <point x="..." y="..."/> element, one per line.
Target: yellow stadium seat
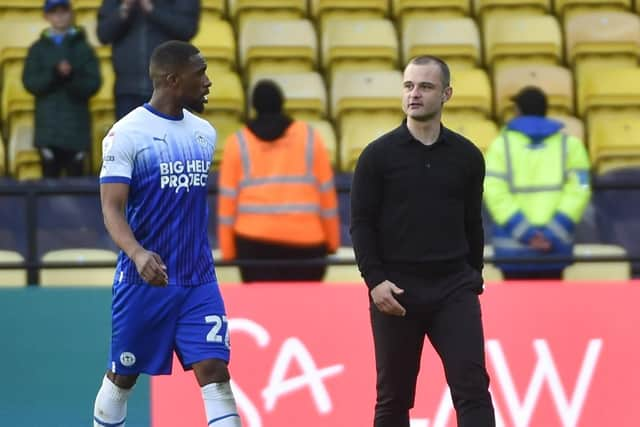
<point x="101" y="122"/>
<point x="227" y="275"/>
<point x="12" y="277"/>
<point x="472" y="94"/>
<point x="572" y="125"/>
<point x="598" y="271"/>
<point x="361" y="129"/>
<point x="355" y="92"/>
<point x="365" y="44"/>
<point x="217" y="43"/>
<point x="3" y="151"/>
<point x="602" y="39"/>
<point x="325" y="10"/>
<point x="403" y="10"/>
<point x="242" y="10"/>
<point x="93" y="276"/>
<point x="17" y="32"/>
<point x="325" y="129"/>
<point x="614" y="140"/>
<point x="225" y="126"/>
<point x="225" y="109"/>
<point x="482" y="8"/>
<point x="15" y="98"/>
<point x="490" y="272"/>
<point x="480" y="131"/>
<point x="555" y="81"/>
<point x="610" y="88"/>
<point x="103" y="99"/>
<point x="24" y="159"/>
<point x="522" y="38"/>
<point x="278" y="46"/>
<point x="226" y="95"/>
<point x="214" y="8"/>
<point x="455" y="40"/>
<point x="305" y="93"/>
<point x="20" y="5"/>
<point x="566" y="7"/>
<point x="343" y="274"/>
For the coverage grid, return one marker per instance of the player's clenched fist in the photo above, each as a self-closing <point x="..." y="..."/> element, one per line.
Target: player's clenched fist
<point x="151" y="267"/>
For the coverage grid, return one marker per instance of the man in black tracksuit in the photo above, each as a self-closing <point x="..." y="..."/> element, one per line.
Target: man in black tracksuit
<point x="417" y="233"/>
<point x="134" y="28"/>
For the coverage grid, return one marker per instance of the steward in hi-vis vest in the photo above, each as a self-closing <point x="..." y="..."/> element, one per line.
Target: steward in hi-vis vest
<point x="536" y="189"/>
<point x="277" y="196"/>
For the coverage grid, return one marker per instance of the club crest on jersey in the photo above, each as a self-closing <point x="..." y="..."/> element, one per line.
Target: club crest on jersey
<point x="202" y="140"/>
<point x="127" y="358"/>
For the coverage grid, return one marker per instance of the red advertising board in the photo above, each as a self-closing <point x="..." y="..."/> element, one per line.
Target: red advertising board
<point x="558" y="354"/>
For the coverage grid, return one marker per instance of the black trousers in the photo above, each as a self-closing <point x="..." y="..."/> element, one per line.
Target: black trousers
<point x="259" y="250"/>
<point x="56" y="160"/>
<point x="447" y="311"/>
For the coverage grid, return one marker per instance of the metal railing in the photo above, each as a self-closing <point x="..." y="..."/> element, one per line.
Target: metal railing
<point x="33" y="190"/>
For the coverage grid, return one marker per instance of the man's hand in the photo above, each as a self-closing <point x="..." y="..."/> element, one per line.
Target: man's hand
<point x="64" y="68"/>
<point x="383" y="298"/>
<point x="146" y="5"/>
<point x="539" y="242"/>
<point x="125" y="8"/>
<point x="151" y="267"/>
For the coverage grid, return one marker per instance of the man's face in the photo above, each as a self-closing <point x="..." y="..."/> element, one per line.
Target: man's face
<point x="194" y="84"/>
<point x="423" y="93"/>
<point x="60" y="18"/>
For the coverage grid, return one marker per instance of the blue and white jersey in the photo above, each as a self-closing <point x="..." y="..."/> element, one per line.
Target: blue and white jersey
<point x="166" y="163"/>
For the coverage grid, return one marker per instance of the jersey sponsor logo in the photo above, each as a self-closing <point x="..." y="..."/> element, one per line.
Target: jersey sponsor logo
<point x="184" y="174"/>
<point x="127" y="358"/>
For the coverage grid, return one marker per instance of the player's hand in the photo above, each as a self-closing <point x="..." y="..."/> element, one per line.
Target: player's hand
<point x="382" y="296"/>
<point x="151" y="267"/>
<point x="539" y="242"/>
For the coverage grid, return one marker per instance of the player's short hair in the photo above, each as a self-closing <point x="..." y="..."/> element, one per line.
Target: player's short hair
<point x="170" y="57"/>
<point x="431" y="59"/>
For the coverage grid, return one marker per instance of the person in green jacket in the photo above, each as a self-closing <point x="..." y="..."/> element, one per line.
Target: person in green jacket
<point x="536" y="189"/>
<point x="61" y="71"/>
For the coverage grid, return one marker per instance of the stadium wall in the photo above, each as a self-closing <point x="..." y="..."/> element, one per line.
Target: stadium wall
<point x="559" y="354"/>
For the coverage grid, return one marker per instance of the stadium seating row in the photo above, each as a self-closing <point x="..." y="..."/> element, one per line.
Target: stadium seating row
<point x="103" y="276"/>
<point x="266" y="49"/>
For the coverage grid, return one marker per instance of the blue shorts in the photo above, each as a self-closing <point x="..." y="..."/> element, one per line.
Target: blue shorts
<point x="150" y="323"/>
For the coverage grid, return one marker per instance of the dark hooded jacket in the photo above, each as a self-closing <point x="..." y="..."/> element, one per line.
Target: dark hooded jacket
<point x="62" y="104"/>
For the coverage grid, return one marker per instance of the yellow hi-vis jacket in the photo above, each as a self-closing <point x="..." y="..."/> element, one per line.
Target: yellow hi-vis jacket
<point x="535" y="184"/>
<point x="279" y="191"/>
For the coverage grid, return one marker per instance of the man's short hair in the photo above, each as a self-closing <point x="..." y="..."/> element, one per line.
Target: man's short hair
<point x="430" y="59"/>
<point x="531" y="101"/>
<point x="171" y="56"/>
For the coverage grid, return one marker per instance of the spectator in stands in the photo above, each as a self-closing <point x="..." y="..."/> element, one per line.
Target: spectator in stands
<point x="277" y="196"/>
<point x="536" y="189"/>
<point x="61" y="71"/>
<point x="135" y="28"/>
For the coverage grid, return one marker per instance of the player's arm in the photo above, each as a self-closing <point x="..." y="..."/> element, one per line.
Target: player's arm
<point x="113" y="197"/>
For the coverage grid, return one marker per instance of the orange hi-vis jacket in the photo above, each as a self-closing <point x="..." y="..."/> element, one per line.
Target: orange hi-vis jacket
<point x="279" y="191"/>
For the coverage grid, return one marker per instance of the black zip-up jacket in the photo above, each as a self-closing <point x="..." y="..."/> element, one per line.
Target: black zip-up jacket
<point x="416" y="206"/>
<point x="62" y="117"/>
<point x="134" y="39"/>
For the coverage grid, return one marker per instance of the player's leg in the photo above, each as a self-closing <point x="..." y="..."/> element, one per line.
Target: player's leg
<point x="110" y="408"/>
<point x="219" y="403"/>
<point x="455" y="330"/>
<point x="398" y="345"/>
<point x="143" y="330"/>
<point x="202" y="343"/>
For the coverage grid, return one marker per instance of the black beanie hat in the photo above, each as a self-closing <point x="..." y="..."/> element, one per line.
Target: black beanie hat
<point x="267" y="97"/>
<point x="531" y="101"/>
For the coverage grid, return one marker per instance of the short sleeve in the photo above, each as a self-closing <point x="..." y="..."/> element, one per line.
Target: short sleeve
<point x="117" y="158"/>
